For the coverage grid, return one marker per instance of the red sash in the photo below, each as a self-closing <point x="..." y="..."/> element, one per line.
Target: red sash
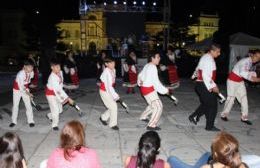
<point x="16" y="87"/>
<point x="35" y="77"/>
<point x="214" y="74"/>
<point x="234" y="77"/>
<point x="146" y="90"/>
<point x="102" y="86"/>
<point x="49" y="92"/>
<point x="74" y="79"/>
<point x="132" y="76"/>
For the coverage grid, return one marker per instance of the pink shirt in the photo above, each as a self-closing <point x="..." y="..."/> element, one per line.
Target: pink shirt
<point x="85" y="158"/>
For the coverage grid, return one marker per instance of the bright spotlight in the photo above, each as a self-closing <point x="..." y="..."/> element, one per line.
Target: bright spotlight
<point x="154" y="3"/>
<point x="134" y="2"/>
<point x="143" y="2"/>
<point x="115" y="2"/>
<point x="124" y="2"/>
<point x="105" y="3"/>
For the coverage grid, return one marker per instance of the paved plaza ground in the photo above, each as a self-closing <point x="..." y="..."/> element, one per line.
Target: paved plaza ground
<point x="179" y="136"/>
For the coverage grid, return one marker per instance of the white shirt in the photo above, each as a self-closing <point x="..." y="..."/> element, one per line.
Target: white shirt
<point x="22" y="79"/>
<point x="242" y="68"/>
<point x="149" y="77"/>
<point x="55" y="83"/>
<point x="108" y="77"/>
<point x="207" y="66"/>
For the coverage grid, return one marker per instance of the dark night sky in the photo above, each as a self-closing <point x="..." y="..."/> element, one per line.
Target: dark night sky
<point x="241" y="15"/>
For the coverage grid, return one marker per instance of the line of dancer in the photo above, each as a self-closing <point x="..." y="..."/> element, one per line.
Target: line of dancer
<point x="150" y="85"/>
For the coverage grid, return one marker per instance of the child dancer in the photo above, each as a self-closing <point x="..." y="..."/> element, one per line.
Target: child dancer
<point x="21" y="90"/>
<point x="108" y="94"/>
<point x="55" y="94"/>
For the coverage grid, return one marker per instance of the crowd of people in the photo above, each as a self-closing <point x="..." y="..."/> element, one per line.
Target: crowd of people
<point x="73" y="152"/>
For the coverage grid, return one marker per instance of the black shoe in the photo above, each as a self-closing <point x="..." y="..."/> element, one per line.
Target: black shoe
<point x="197" y="119"/>
<point x="12" y="125"/>
<point x="102" y="121"/>
<point x="31" y="124"/>
<point x="115" y="128"/>
<point x="213" y="129"/>
<point x="55" y="128"/>
<point x="247" y="122"/>
<point x="145" y="120"/>
<point x="153" y="128"/>
<point x="192" y="119"/>
<point x="224" y="118"/>
<point x="48" y="118"/>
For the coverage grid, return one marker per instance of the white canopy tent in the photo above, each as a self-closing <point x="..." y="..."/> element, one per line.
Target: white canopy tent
<point x="239" y="44"/>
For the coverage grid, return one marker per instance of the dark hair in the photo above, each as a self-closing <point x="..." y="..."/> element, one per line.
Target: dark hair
<point x="214" y="46"/>
<point x="11" y="151"/>
<point x="148" y="149"/>
<point x="152" y="55"/>
<point x="54" y="61"/>
<point x="72" y="138"/>
<point x="28" y="62"/>
<point x="225" y="149"/>
<point x="109" y="59"/>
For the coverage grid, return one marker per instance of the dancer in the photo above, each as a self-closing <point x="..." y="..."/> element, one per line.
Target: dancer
<point x="71" y="78"/>
<point x="108" y="94"/>
<point x="236" y="86"/>
<point x="150" y="84"/>
<point x="35" y="79"/>
<point x="130" y="72"/>
<point x="100" y="65"/>
<point x="55" y="94"/>
<point x="206" y="88"/>
<point x="169" y="69"/>
<point x="21" y="90"/>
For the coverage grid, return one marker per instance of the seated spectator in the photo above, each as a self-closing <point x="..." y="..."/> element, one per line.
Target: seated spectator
<point x="225" y="153"/>
<point x="149" y="146"/>
<point x="11" y="151"/>
<point x="72" y="152"/>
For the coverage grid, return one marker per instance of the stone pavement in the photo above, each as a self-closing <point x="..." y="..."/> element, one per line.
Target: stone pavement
<point x="179" y="136"/>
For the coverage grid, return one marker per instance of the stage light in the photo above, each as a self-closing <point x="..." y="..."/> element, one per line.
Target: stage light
<point x="115" y="2"/>
<point x="105" y="3"/>
<point x="154" y="3"/>
<point x="94" y="2"/>
<point x="143" y="2"/>
<point x="190" y="15"/>
<point x="134" y="2"/>
<point x="124" y="2"/>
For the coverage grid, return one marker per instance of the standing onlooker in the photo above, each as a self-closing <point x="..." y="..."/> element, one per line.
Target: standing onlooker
<point x="21" y="90"/>
<point x="73" y="152"/>
<point x="207" y="89"/>
<point x="11" y="151"/>
<point x="150" y="84"/>
<point x="236" y="86"/>
<point x="100" y="64"/>
<point x="149" y="148"/>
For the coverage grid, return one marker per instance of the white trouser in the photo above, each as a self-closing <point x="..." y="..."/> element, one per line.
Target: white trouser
<point x="111" y="112"/>
<point x="236" y="90"/>
<point x="154" y="108"/>
<point x="56" y="109"/>
<point x="17" y="95"/>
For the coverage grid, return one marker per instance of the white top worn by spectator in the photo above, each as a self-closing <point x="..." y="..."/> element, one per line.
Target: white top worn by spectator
<point x="207" y="66"/>
<point x="149" y="77"/>
<point x="23" y="79"/>
<point x="108" y="77"/>
<point x="242" y="68"/>
<point x="55" y="83"/>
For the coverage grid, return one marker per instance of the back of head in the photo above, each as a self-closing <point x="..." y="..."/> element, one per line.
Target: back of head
<point x="11" y="151"/>
<point x="72" y="138"/>
<point x="214" y="46"/>
<point x="149" y="145"/>
<point x="225" y="149"/>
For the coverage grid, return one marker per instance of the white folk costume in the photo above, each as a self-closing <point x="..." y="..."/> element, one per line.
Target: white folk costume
<point x="150" y="84"/>
<point x="20" y="87"/>
<point x="109" y="96"/>
<point x="236" y="86"/>
<point x="56" y="96"/>
<point x="206" y="76"/>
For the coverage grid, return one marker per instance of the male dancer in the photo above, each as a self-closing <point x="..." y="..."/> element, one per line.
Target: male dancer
<point x="236" y="86"/>
<point x="108" y="94"/>
<point x="207" y="89"/>
<point x="150" y="84"/>
<point x="21" y="90"/>
<point x="55" y="94"/>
